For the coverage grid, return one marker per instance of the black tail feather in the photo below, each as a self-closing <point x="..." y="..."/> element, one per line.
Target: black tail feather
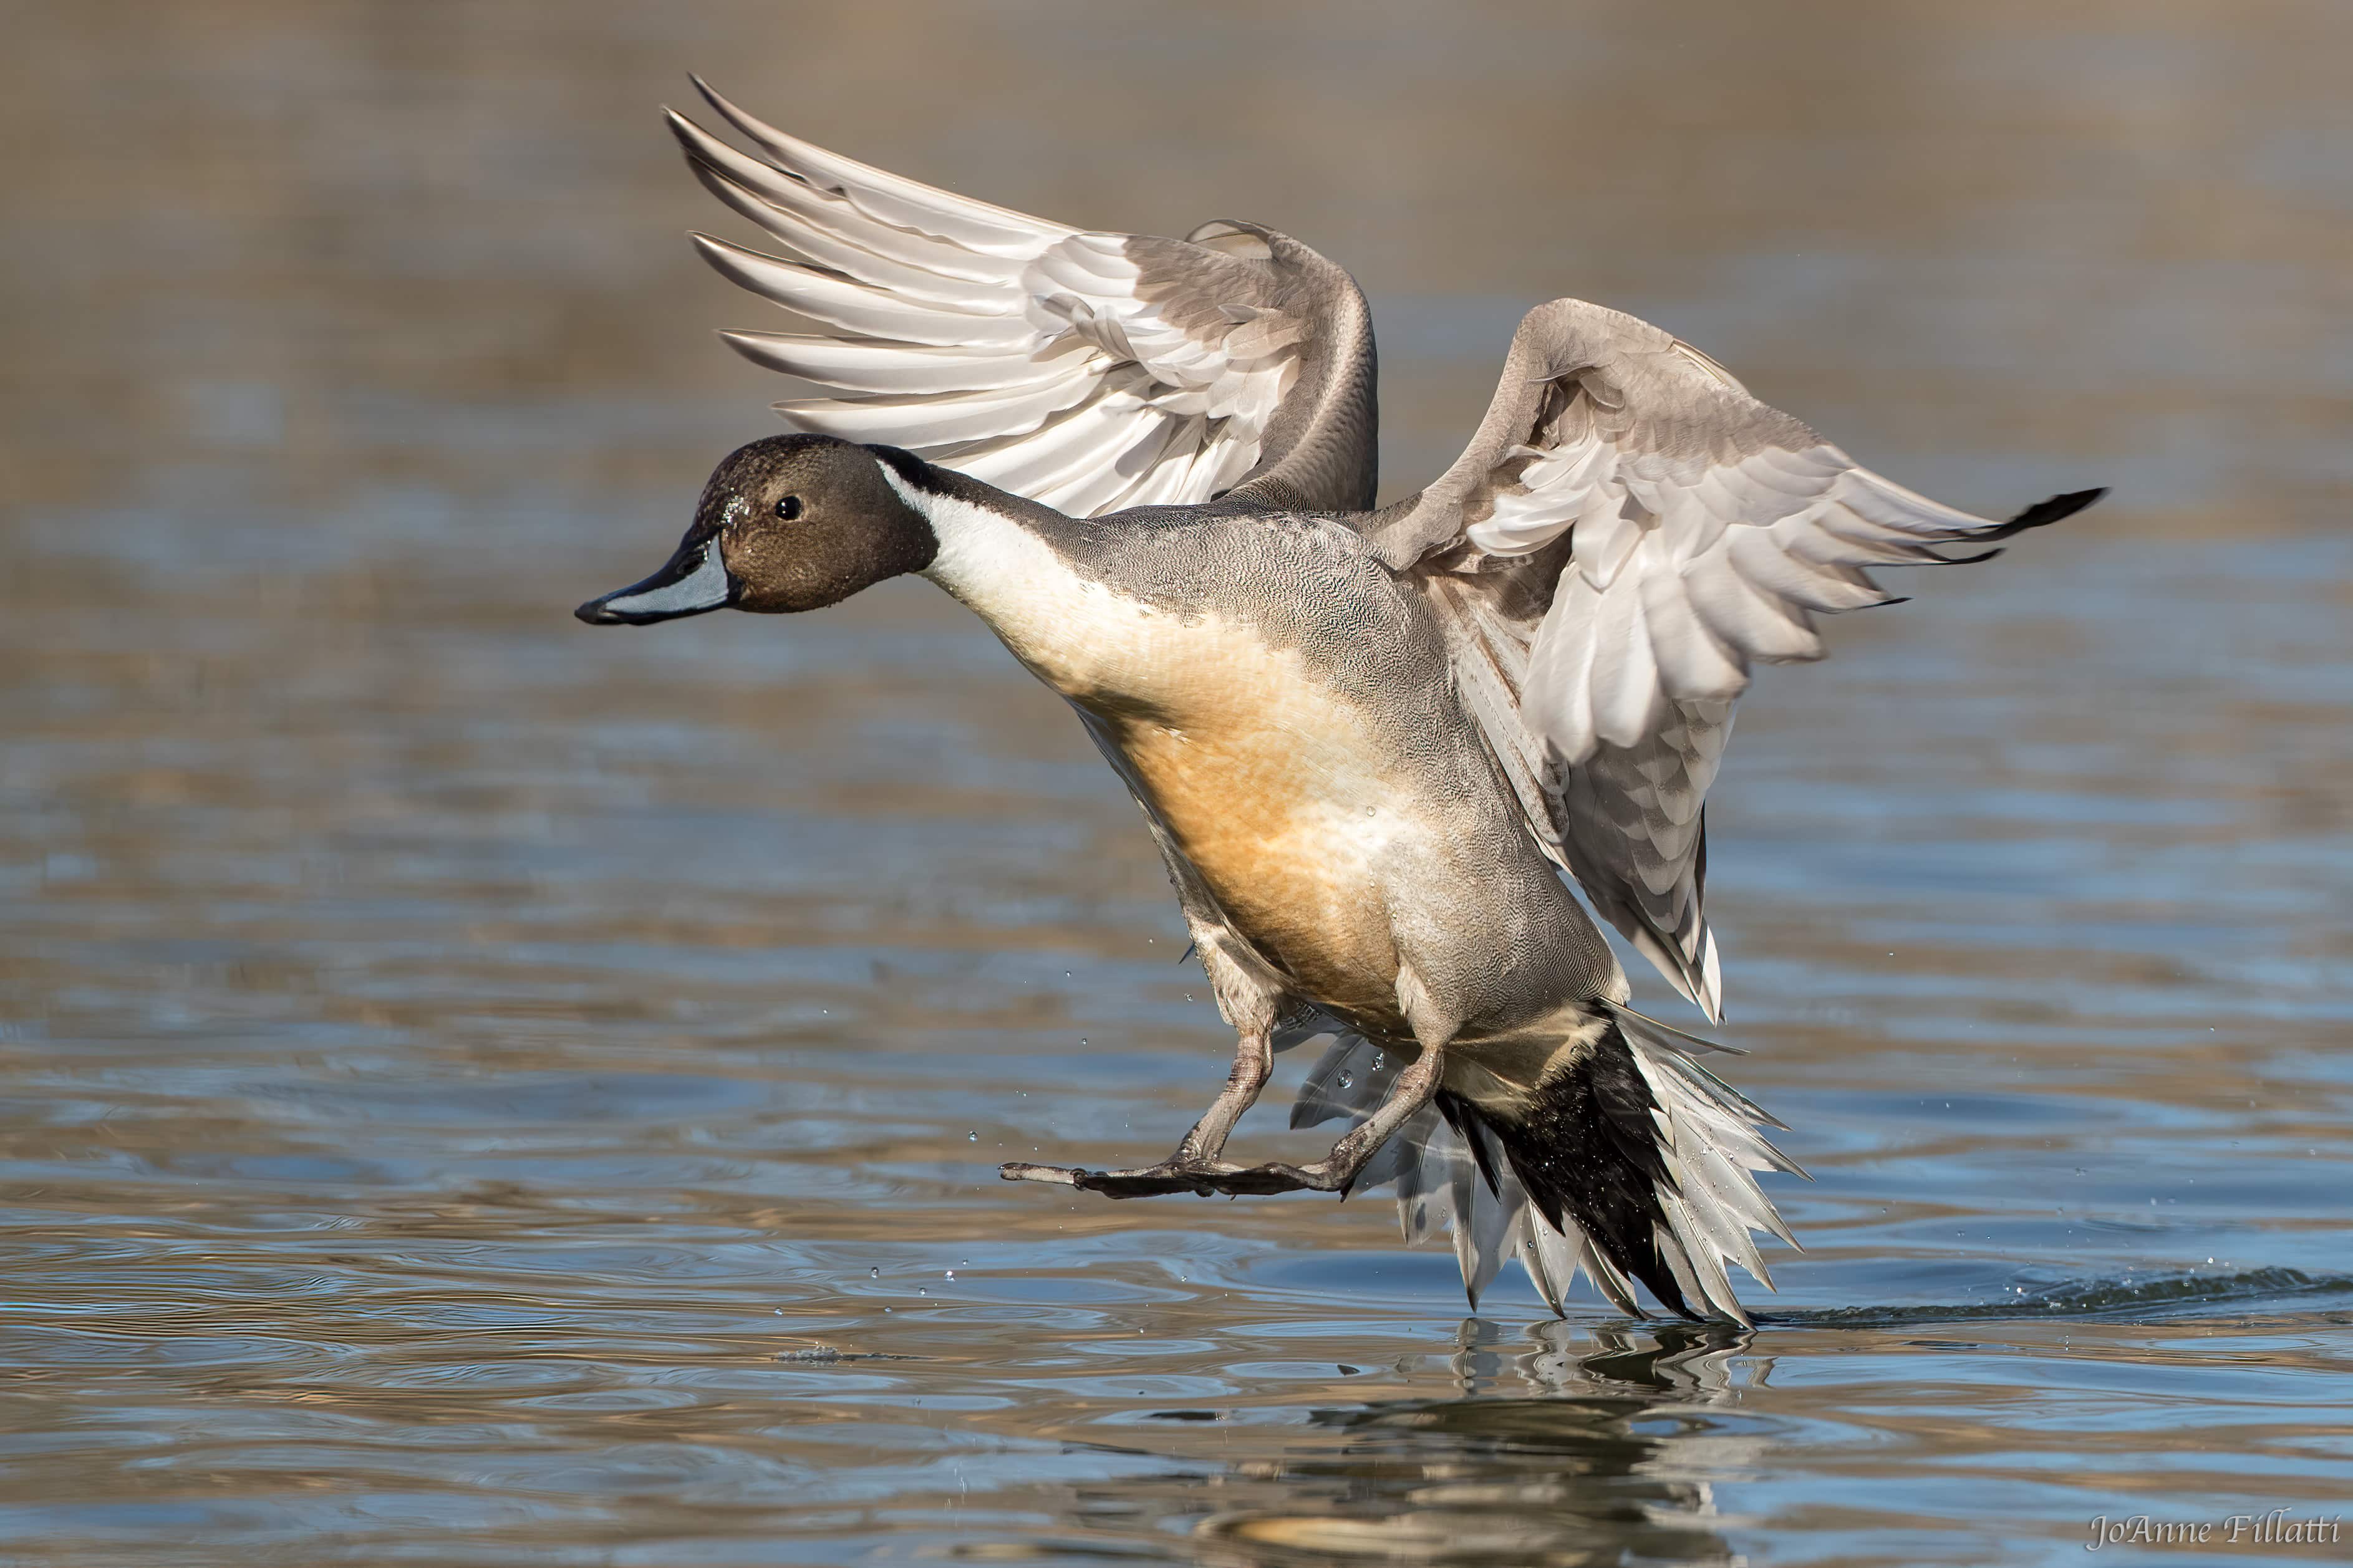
<point x="1585" y="1147"/>
<point x="1473" y="1130"/>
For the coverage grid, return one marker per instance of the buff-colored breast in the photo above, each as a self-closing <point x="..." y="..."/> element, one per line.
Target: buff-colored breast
<point x="1281" y="808"/>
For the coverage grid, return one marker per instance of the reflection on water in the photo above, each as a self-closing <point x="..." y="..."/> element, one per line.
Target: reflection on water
<point x="1600" y="1452"/>
<point x="482" y="1090"/>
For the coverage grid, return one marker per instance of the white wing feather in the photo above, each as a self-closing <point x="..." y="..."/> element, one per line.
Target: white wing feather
<point x="1628" y="532"/>
<point x="1091" y="371"/>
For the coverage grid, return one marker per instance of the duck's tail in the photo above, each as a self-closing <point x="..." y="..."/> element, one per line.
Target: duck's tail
<point x="1627" y="1158"/>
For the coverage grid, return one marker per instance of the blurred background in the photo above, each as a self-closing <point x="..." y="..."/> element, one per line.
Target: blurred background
<point x="479" y="1090"/>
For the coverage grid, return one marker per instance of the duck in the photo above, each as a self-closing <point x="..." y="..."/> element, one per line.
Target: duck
<point x="1400" y="762"/>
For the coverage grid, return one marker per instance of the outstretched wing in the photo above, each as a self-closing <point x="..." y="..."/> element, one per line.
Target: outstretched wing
<point x="1628" y="533"/>
<point x="1089" y="372"/>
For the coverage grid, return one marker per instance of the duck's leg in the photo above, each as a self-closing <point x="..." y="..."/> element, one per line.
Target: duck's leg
<point x="1196" y="1166"/>
<point x="1251" y="1000"/>
<point x="1336" y="1173"/>
<point x="1251" y="997"/>
<point x="1433" y="1023"/>
<point x="1253" y="1065"/>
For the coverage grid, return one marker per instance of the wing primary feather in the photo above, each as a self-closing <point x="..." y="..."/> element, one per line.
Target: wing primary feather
<point x="894" y="198"/>
<point x="794" y="200"/>
<point x="2043" y="513"/>
<point x="840" y="255"/>
<point x="880" y="365"/>
<point x="844" y="302"/>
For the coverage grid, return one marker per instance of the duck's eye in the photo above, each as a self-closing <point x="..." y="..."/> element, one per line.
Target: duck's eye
<point x="789" y="508"/>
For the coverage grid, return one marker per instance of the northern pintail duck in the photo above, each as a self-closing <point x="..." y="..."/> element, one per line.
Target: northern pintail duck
<point x="1375" y="747"/>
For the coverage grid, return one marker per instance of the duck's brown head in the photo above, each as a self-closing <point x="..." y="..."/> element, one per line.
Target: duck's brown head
<point x="791" y="522"/>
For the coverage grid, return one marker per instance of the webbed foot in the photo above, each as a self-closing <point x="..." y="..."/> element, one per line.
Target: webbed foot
<point x="1203" y="1177"/>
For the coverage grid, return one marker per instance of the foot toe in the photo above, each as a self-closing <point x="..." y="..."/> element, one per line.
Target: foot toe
<point x="1058" y="1175"/>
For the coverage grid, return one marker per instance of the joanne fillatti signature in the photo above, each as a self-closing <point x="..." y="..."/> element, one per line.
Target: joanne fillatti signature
<point x="2277" y="1527"/>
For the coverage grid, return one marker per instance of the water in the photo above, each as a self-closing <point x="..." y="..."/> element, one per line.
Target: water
<point x="482" y="1090"/>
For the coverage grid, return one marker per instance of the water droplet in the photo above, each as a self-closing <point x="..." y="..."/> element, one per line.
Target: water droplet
<point x="1377" y="1059"/>
<point x="1347" y="1082"/>
<point x="920" y="1291"/>
<point x="972" y="1137"/>
<point x="951" y="1273"/>
<point x="874" y="1274"/>
<point x="1082" y="1039"/>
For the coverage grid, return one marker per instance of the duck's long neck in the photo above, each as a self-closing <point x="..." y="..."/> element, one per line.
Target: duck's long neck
<point x="997" y="556"/>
